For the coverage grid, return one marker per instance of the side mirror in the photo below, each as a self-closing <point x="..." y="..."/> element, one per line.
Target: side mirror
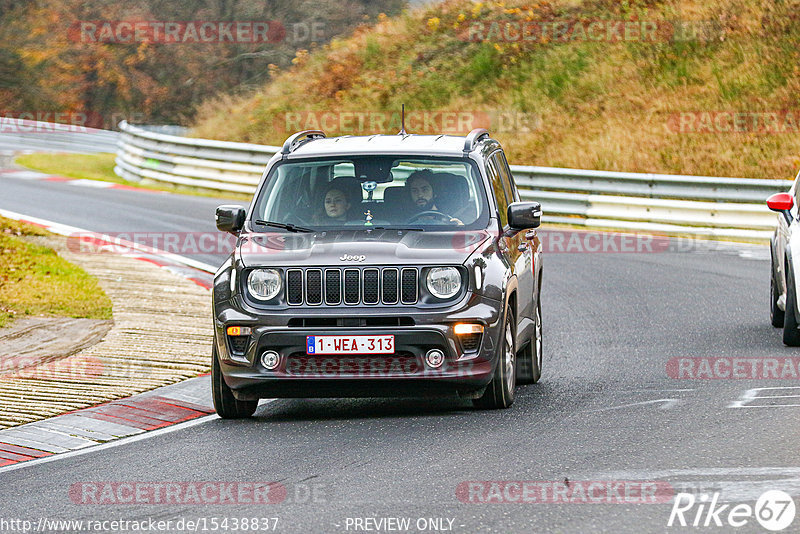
<point x="523" y="215"/>
<point x="782" y="203"/>
<point x="230" y="218"/>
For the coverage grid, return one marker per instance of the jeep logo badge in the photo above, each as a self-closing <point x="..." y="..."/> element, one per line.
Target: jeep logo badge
<point x="350" y="257"/>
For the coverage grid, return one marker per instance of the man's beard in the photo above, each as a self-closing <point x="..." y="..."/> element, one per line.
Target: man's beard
<point x="428" y="206"/>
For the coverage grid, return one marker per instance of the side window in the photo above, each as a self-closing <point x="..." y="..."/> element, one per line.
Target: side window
<point x="508" y="178"/>
<point x="498" y="190"/>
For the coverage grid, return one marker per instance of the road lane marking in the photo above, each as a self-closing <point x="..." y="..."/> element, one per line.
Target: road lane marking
<point x="652" y="390"/>
<point x="666" y="404"/>
<point x="751" y="396"/>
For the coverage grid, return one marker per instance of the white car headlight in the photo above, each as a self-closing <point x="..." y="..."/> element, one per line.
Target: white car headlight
<point x="264" y="284"/>
<point x="444" y="282"/>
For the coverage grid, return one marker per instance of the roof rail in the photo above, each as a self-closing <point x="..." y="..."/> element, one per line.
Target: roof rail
<point x="299" y="138"/>
<point x="473" y="137"/>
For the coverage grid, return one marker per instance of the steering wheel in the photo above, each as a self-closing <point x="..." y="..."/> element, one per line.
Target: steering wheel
<point x="430" y="213"/>
<point x="299" y="220"/>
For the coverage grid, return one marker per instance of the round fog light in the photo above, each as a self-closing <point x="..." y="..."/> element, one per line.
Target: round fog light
<point x="270" y="359"/>
<point x="434" y="358"/>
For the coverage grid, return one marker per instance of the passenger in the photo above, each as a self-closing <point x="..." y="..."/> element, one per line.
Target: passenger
<point x="341" y="198"/>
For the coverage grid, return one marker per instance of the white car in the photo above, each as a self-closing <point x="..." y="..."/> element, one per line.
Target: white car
<point x="783" y="309"/>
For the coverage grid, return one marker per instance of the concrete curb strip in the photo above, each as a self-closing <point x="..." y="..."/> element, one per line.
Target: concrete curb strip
<point x="91" y="427"/>
<point x="161" y="335"/>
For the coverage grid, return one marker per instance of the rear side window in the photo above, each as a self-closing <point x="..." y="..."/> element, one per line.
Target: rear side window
<point x="498" y="190"/>
<point x="508" y="179"/>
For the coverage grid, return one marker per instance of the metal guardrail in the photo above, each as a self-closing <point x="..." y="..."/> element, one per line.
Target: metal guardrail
<point x="671" y="204"/>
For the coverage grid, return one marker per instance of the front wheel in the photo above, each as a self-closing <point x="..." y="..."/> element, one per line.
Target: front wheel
<point x="226" y="405"/>
<point x="500" y="391"/>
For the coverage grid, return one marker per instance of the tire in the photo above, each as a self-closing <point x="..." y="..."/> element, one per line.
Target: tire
<point x="529" y="362"/>
<point x="791" y="335"/>
<point x="226" y="405"/>
<point x="776" y="315"/>
<point x="500" y="391"/>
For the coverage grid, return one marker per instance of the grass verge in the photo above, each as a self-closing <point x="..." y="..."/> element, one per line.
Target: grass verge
<point x="34" y="280"/>
<point x="101" y="167"/>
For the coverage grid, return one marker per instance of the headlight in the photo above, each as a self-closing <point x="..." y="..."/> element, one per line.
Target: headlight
<point x="264" y="284"/>
<point x="443" y="282"/>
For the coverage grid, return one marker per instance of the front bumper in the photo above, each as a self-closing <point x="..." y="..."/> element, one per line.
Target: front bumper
<point x="403" y="373"/>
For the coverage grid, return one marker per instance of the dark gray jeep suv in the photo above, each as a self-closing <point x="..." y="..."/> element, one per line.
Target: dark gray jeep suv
<point x="384" y="265"/>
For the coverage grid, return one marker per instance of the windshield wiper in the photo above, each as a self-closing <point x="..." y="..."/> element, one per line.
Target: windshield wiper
<point x="285" y="226"/>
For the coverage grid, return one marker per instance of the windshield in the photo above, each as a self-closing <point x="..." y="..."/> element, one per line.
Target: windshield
<point x="373" y="191"/>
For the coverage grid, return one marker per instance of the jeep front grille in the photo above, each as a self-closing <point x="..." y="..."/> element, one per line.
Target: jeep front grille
<point x="352" y="286"/>
<point x="409" y="286"/>
<point x="390" y="289"/>
<point x="333" y="286"/>
<point x="313" y="286"/>
<point x="371" y="286"/>
<point x="294" y="286"/>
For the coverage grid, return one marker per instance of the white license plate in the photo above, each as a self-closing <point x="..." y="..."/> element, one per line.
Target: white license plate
<point x="350" y="344"/>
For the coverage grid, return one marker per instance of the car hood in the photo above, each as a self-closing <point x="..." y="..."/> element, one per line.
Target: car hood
<point x="339" y="248"/>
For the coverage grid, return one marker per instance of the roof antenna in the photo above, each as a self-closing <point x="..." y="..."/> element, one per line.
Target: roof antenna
<point x="402" y="120"/>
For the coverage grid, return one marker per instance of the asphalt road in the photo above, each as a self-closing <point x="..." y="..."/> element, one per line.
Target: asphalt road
<point x="121" y="213"/>
<point x="606" y="409"/>
<point x="17" y="135"/>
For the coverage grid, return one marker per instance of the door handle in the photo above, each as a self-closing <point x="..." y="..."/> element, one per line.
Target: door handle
<point x="522" y="247"/>
<point x="530" y="234"/>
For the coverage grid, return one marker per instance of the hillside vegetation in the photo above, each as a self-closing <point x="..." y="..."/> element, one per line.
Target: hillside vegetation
<point x="50" y="63"/>
<point x="707" y="87"/>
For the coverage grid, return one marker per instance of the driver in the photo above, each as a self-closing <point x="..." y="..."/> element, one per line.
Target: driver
<point x="423" y="198"/>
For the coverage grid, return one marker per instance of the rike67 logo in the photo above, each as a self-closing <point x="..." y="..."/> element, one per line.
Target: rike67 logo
<point x="774" y="510"/>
